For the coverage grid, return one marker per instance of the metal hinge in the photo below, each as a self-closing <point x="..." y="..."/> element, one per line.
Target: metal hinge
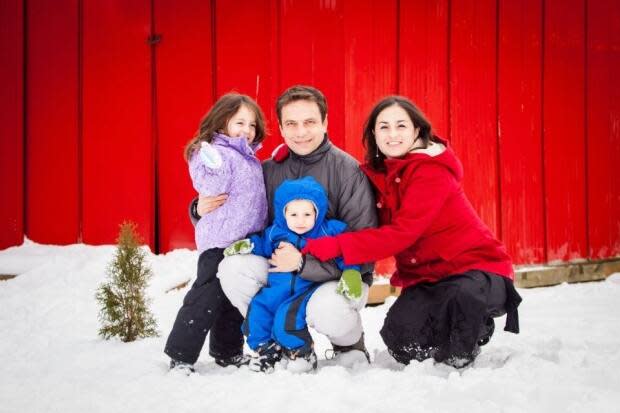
<point x="154" y="39"/>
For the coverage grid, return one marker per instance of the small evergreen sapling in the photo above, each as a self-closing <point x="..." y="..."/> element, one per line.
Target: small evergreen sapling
<point x="124" y="308"/>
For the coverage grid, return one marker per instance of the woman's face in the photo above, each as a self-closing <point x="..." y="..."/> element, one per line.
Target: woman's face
<point x="395" y="132"/>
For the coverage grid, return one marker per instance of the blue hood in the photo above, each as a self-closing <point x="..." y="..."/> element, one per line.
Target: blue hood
<point x="306" y="188"/>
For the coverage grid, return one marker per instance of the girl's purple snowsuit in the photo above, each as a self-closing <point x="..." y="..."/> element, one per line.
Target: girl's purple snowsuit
<point x="241" y="177"/>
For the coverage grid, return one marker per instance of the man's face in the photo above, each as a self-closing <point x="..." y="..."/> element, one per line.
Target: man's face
<point x="300" y="216"/>
<point x="302" y="127"/>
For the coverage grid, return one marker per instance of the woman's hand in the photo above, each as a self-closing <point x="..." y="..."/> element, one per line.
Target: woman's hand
<point x="324" y="248"/>
<point x="285" y="258"/>
<point x="207" y="204"/>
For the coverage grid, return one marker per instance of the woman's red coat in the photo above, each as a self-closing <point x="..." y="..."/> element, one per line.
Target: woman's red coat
<point x="427" y="223"/>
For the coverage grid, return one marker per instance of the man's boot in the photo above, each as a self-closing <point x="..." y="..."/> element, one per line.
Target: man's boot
<point x="348" y="356"/>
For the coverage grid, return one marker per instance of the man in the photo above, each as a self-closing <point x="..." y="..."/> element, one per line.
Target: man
<point x="302" y="117"/>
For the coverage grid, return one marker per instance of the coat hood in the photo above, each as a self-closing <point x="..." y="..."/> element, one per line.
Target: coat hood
<point x="241" y="144"/>
<point x="306" y="188"/>
<point x="395" y="167"/>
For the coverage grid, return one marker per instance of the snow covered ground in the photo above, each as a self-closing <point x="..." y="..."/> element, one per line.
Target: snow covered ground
<point x="566" y="359"/>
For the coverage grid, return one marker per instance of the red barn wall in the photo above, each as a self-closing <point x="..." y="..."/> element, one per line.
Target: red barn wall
<point x="99" y="99"/>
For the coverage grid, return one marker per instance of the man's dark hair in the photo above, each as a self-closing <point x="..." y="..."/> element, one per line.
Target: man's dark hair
<point x="301" y="92"/>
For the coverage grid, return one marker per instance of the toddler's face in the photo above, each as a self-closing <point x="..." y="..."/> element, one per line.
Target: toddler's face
<point x="243" y="123"/>
<point x="300" y="216"/>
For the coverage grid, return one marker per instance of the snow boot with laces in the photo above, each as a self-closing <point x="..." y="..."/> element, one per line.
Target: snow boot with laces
<point x="267" y="356"/>
<point x="237" y="360"/>
<point x="300" y="361"/>
<point x="181" y="367"/>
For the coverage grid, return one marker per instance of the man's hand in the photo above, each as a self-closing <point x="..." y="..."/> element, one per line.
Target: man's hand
<point x="285" y="258"/>
<point x="208" y="204"/>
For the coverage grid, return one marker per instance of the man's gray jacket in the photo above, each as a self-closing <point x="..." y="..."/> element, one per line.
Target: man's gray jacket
<point x="348" y="190"/>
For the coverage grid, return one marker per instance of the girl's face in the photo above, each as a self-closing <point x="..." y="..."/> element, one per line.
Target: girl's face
<point x="395" y="132"/>
<point x="243" y="123"/>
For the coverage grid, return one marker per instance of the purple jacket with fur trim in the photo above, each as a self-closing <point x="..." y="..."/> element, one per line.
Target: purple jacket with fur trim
<point x="240" y="176"/>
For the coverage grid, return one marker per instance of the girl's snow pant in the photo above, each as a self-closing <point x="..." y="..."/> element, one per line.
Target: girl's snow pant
<point x="206" y="309"/>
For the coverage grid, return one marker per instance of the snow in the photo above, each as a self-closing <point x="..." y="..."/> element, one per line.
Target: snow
<point x="566" y="359"/>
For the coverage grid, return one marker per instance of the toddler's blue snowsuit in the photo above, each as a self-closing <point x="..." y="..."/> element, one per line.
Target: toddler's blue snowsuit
<point x="278" y="311"/>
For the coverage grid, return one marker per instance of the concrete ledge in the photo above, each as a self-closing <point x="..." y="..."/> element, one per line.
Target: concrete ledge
<point x="379" y="292"/>
<point x="528" y="277"/>
<point x="531" y="276"/>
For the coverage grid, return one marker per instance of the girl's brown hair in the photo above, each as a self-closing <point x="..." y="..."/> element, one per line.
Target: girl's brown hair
<point x="216" y="120"/>
<point x="374" y="157"/>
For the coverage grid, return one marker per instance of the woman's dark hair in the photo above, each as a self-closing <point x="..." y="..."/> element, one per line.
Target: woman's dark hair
<point x="217" y="119"/>
<point x="374" y="157"/>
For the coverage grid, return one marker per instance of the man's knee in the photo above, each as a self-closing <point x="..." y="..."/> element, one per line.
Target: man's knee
<point x="249" y="266"/>
<point x="241" y="277"/>
<point x="335" y="316"/>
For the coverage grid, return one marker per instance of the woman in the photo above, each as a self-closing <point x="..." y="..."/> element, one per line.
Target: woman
<point x="456" y="276"/>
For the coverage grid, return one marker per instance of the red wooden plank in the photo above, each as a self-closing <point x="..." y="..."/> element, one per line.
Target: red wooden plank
<point x="184" y="94"/>
<point x="370" y="71"/>
<point x="520" y="125"/>
<point x="117" y="143"/>
<point x="473" y="108"/>
<point x="311" y="43"/>
<point x="11" y="124"/>
<point x="603" y="133"/>
<point x="370" y="67"/>
<point x="52" y="213"/>
<point x="423" y="59"/>
<point x="247" y="59"/>
<point x="563" y="122"/>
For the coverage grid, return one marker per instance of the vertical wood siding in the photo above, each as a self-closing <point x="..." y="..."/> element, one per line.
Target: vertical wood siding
<point x="520" y="129"/>
<point x="183" y="94"/>
<point x="564" y="150"/>
<point x="11" y="123"/>
<point x="117" y="142"/>
<point x="527" y="93"/>
<point x="52" y="144"/>
<point x="603" y="127"/>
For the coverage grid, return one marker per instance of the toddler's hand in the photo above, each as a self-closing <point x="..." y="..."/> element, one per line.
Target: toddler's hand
<point x="243" y="246"/>
<point x="350" y="284"/>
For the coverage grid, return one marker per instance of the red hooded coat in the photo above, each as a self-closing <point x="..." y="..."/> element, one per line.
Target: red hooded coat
<point x="427" y="223"/>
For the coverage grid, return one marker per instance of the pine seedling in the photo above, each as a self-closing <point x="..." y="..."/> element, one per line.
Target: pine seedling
<point x="124" y="308"/>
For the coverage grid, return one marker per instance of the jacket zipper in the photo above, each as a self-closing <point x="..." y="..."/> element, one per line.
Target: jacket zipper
<point x="294" y="273"/>
<point x="293" y="283"/>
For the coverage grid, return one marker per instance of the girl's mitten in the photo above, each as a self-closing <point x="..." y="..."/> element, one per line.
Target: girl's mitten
<point x="210" y="156"/>
<point x="243" y="246"/>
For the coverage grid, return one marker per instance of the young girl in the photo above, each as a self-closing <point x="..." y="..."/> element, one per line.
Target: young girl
<point x="221" y="161"/>
<point x="456" y="276"/>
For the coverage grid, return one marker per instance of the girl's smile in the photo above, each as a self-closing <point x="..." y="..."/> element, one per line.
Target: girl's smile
<point x="242" y="124"/>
